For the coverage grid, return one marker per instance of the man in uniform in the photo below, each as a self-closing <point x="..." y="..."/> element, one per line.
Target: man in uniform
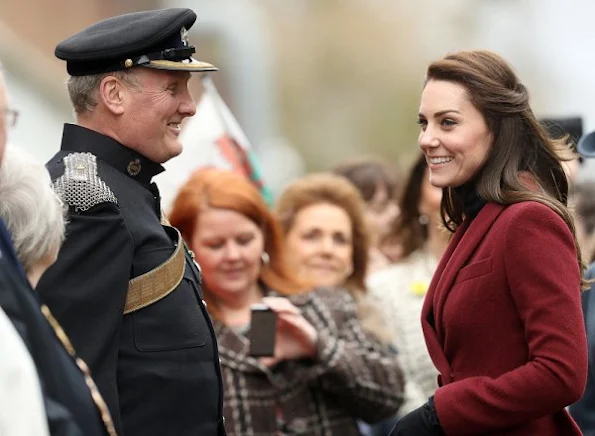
<point x="71" y="407"/>
<point x="124" y="287"/>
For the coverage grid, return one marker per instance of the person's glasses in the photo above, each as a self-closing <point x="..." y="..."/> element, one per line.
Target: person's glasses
<point x="11" y="116"/>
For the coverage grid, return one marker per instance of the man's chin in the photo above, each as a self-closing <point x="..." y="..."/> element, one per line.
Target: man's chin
<point x="173" y="149"/>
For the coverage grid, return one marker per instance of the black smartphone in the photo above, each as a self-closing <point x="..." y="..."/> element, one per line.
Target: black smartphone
<point x="263" y="328"/>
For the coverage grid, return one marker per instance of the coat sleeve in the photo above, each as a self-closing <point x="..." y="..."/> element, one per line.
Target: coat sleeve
<point x="544" y="281"/>
<point x="362" y="375"/>
<point x="86" y="291"/>
<point x="60" y="420"/>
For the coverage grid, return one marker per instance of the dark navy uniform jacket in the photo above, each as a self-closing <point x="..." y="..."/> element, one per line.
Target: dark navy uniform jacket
<point x="158" y="367"/>
<point x="67" y="399"/>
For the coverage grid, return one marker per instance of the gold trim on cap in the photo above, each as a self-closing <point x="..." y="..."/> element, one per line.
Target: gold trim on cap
<point x="192" y="66"/>
<point x="128" y="63"/>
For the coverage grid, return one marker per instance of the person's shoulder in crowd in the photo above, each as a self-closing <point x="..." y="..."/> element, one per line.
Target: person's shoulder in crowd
<point x="333" y="299"/>
<point x="418" y="262"/>
<point x="67" y="398"/>
<point x="21" y="403"/>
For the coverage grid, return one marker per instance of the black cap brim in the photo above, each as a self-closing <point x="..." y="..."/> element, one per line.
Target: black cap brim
<point x="155" y="39"/>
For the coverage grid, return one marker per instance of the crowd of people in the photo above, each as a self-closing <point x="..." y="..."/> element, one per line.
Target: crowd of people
<point x="444" y="302"/>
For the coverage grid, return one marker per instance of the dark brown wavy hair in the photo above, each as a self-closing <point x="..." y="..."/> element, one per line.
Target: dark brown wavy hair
<point x="411" y="234"/>
<point x="367" y="174"/>
<point x="524" y="163"/>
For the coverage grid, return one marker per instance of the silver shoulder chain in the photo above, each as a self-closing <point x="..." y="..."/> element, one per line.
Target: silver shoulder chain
<point x="80" y="186"/>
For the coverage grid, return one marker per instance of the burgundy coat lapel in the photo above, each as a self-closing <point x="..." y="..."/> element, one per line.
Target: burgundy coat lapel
<point x="427" y="314"/>
<point x="459" y="250"/>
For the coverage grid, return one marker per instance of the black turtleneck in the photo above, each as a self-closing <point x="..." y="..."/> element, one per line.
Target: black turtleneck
<point x="473" y="203"/>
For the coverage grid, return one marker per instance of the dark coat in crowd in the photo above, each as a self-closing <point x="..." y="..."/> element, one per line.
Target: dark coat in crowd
<point x="69" y="406"/>
<point x="157" y="367"/>
<point x="354" y="377"/>
<point x="583" y="411"/>
<point x="503" y="324"/>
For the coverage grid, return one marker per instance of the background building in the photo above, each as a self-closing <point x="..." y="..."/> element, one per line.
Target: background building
<point x="313" y="82"/>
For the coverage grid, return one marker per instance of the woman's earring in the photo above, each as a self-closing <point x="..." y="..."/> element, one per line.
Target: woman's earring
<point x="424" y="220"/>
<point x="266" y="259"/>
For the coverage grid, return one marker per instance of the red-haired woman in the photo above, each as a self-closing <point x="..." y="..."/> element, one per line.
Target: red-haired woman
<point x="325" y="372"/>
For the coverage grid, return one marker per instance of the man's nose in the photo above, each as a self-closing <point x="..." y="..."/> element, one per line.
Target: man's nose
<point x="188" y="105"/>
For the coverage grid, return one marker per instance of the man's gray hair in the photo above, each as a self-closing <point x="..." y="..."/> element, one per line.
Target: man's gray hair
<point x="32" y="211"/>
<point x="83" y="89"/>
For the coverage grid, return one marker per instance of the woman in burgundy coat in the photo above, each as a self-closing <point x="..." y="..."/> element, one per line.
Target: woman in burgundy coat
<point x="502" y="318"/>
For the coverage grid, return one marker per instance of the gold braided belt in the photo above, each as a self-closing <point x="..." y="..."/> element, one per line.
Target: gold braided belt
<point x="152" y="286"/>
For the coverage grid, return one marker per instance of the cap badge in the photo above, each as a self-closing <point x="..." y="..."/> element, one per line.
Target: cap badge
<point x="134" y="167"/>
<point x="184" y="36"/>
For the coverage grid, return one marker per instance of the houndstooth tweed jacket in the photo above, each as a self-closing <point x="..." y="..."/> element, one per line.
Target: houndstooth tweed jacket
<point x="355" y="377"/>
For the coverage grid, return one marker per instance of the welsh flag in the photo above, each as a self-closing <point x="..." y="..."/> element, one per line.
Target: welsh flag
<point x="211" y="138"/>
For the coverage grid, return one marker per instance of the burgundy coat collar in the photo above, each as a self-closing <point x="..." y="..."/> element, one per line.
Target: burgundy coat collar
<point x="453" y="259"/>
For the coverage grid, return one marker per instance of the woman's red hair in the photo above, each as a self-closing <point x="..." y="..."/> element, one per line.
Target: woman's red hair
<point x="221" y="189"/>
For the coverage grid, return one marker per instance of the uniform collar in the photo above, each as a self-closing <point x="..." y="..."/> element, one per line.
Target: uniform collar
<point x="127" y="161"/>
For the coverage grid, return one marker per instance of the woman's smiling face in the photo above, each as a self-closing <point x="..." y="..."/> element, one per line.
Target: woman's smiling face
<point x="319" y="244"/>
<point x="454" y="135"/>
<point x="228" y="247"/>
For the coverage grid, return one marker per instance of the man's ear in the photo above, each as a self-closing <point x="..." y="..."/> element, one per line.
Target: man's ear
<point x="111" y="94"/>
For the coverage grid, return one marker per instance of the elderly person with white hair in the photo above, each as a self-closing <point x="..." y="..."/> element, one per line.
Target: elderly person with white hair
<point x="34" y="217"/>
<point x="32" y="212"/>
<point x="35" y="350"/>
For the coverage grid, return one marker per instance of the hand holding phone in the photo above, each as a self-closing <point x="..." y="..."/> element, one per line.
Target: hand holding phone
<point x="295" y="337"/>
<point x="263" y="330"/>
